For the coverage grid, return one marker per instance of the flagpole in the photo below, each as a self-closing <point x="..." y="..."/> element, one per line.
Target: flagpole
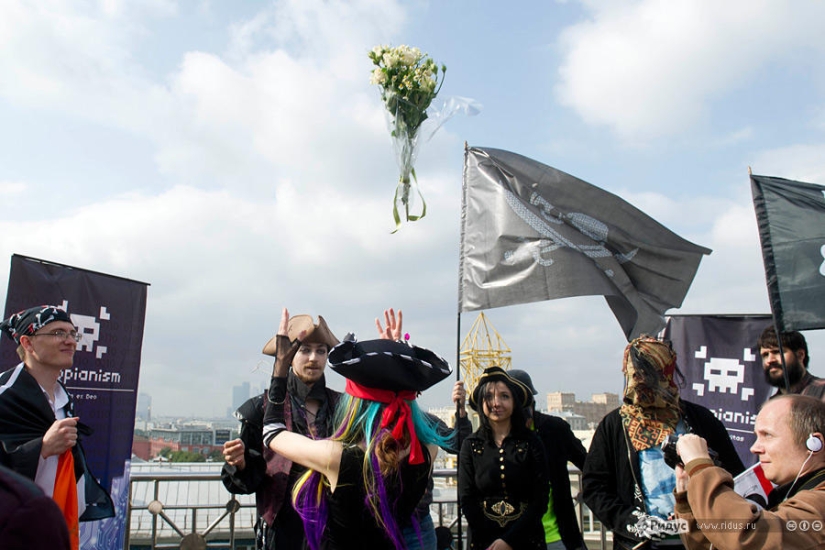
<point x="458" y="336"/>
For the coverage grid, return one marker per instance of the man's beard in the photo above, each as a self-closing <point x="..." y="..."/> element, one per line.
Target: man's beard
<point x="302" y="376"/>
<point x="795" y="374"/>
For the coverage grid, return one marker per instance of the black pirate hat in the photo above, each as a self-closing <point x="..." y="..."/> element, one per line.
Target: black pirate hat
<point x="521" y="393"/>
<point x="388" y="365"/>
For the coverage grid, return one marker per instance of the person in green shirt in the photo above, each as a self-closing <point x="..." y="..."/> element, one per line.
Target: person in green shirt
<point x="561" y="528"/>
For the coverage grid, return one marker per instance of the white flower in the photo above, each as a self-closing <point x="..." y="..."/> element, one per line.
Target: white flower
<point x="378" y="77"/>
<point x="410" y="57"/>
<point x="409" y="82"/>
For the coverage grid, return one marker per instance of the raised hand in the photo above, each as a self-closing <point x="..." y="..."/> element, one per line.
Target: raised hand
<point x="284" y="326"/>
<point x="284" y="349"/>
<point x="392" y="331"/>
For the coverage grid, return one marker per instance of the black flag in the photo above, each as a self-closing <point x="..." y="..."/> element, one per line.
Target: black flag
<point x="530" y="233"/>
<point x="791" y="219"/>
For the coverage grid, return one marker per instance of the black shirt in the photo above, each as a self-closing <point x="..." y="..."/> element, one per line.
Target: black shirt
<point x="350" y="524"/>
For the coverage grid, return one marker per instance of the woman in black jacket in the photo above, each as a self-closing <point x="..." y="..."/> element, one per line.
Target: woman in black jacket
<point x="502" y="472"/>
<point x="625" y="480"/>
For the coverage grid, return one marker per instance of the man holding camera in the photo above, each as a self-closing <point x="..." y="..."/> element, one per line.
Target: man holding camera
<point x="789" y="444"/>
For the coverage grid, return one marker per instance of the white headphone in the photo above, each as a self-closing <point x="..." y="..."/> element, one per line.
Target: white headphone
<point x="814" y="445"/>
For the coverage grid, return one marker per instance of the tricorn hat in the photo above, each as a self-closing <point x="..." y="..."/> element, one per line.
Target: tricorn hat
<point x="388" y="365"/>
<point x="521" y="393"/>
<point x="313" y="334"/>
<point x="392" y="373"/>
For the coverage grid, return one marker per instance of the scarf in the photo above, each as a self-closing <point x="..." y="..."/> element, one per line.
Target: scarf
<point x="397" y="404"/>
<point x="651" y="400"/>
<point x="299" y="393"/>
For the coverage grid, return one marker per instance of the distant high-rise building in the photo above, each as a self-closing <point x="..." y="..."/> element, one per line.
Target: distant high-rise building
<point x="239" y="395"/>
<point x="144" y="407"/>
<point x="262" y="387"/>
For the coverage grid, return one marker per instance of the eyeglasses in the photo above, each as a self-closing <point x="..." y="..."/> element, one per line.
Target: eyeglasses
<point x="60" y="335"/>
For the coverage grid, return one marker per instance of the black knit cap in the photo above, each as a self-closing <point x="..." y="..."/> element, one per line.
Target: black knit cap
<point x="388" y="365"/>
<point x="521" y="393"/>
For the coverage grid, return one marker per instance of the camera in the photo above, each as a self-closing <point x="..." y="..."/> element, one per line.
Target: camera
<point x="673" y="459"/>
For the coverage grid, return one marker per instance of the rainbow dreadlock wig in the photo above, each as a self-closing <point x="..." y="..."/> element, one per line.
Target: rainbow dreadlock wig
<point x="379" y="414"/>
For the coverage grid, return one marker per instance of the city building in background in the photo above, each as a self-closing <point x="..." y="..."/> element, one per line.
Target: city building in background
<point x="144" y="407"/>
<point x="593" y="411"/>
<point x="240" y="394"/>
<point x="578" y="423"/>
<point x="202" y="438"/>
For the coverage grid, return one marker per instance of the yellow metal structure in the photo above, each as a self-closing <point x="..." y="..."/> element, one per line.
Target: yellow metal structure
<point x="482" y="347"/>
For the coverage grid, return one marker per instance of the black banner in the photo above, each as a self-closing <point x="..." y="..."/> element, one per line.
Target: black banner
<point x="109" y="312"/>
<point x="723" y="370"/>
<point x="791" y="218"/>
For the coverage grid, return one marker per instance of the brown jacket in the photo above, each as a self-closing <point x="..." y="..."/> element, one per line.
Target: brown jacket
<point x="717" y="515"/>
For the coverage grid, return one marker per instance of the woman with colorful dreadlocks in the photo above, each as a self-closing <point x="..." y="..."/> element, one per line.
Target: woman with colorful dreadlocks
<point x="363" y="483"/>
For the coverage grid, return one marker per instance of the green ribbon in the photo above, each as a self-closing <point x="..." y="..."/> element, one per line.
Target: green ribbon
<point x="405" y="200"/>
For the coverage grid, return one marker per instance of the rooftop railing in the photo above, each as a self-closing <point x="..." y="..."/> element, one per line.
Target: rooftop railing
<point x="191" y="510"/>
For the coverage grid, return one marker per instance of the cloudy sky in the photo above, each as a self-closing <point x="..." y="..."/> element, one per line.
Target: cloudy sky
<point x="234" y="156"/>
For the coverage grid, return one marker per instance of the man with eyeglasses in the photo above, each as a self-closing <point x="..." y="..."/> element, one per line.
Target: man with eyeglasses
<point x="39" y="433"/>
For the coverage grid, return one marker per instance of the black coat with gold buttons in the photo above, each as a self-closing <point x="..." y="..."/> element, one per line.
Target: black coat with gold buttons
<point x="504" y="490"/>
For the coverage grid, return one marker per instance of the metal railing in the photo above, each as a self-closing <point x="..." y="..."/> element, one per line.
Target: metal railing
<point x="193" y="511"/>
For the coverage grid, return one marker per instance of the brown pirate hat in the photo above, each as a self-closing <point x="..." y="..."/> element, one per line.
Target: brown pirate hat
<point x="313" y="333"/>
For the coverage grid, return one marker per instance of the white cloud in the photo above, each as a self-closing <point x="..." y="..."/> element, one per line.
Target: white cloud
<point x="221" y="266"/>
<point x="803" y="162"/>
<point x="10" y="189"/>
<point x="54" y="53"/>
<point x="270" y="173"/>
<point x="681" y="212"/>
<point x="731" y="279"/>
<point x="298" y="107"/>
<point x="649" y="68"/>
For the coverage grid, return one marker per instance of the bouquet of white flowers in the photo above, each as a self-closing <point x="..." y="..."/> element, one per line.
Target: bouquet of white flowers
<point x="409" y="82"/>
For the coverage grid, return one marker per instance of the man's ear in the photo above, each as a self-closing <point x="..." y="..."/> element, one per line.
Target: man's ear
<point x="26" y="344"/>
<point x="800" y="356"/>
